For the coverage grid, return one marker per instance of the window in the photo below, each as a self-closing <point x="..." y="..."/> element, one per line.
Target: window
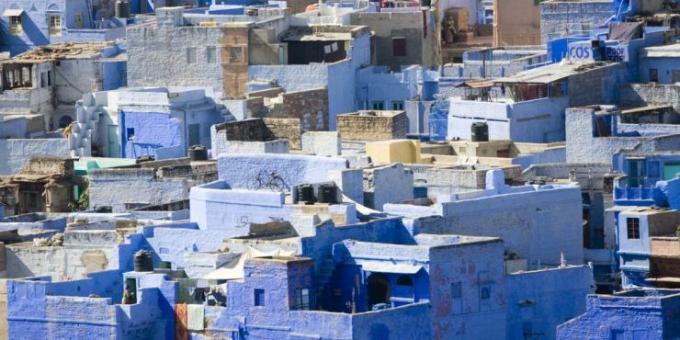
<point x="15" y="25"/>
<point x="302" y="298"/>
<point x="79" y="20"/>
<point x="405" y="280"/>
<point x="55" y="25"/>
<point x="485" y="293"/>
<point x="191" y="55"/>
<point x="194" y="134"/>
<point x="259" y="297"/>
<point x="378" y="105"/>
<point x="457" y="297"/>
<point x="49" y="78"/>
<point x="636" y="172"/>
<point x="33" y="200"/>
<point x="653" y="75"/>
<point x="399" y="47"/>
<point x="633" y="228"/>
<point x="675" y="76"/>
<point x="397" y="105"/>
<point x="130" y="134"/>
<point x="210" y="54"/>
<point x="585" y="198"/>
<point x="235" y="54"/>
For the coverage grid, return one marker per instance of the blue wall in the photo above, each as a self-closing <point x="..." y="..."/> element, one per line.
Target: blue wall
<point x="635" y="315"/>
<point x="155" y="134"/>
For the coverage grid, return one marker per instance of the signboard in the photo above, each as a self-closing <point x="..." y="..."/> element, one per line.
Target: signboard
<point x="616" y="53"/>
<point x="581" y="50"/>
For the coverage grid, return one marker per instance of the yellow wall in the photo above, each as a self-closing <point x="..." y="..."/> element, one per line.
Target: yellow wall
<point x="394" y="151"/>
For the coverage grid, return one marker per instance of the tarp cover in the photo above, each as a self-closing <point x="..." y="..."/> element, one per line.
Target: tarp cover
<point x="625" y="31"/>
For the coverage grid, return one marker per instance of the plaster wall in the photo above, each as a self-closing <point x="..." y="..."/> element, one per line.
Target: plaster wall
<point x="557" y="294"/>
<point x="562" y="18"/>
<point x="17" y="152"/>
<point x="637" y="317"/>
<point x="112" y="189"/>
<point x="174" y="56"/>
<point x="582" y="147"/>
<point x="239" y="171"/>
<point x="538" y="121"/>
<point x="321" y="143"/>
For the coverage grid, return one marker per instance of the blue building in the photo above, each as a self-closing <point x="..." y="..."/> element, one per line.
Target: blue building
<point x="49" y="80"/>
<point x="634" y="314"/>
<point x="635" y="229"/>
<point x="660" y="64"/>
<point x="24" y="25"/>
<point x="158" y="122"/>
<point x="284" y="270"/>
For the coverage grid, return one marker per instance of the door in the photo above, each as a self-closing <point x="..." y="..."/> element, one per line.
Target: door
<point x="194" y="134"/>
<point x="636" y="172"/>
<point x="670" y="170"/>
<point x="112" y="146"/>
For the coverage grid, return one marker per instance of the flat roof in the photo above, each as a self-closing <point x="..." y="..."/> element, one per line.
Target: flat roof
<point x="643" y="109"/>
<point x="551" y="73"/>
<point x="663" y="51"/>
<point x="60" y="51"/>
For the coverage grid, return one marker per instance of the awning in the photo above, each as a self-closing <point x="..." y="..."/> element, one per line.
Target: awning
<point x="477" y="84"/>
<point x="388" y="267"/>
<point x="12" y="12"/>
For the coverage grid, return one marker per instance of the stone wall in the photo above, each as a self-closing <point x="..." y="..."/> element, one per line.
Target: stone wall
<point x="373" y="125"/>
<point x="310" y="106"/>
<point x="248" y="130"/>
<point x="563" y="18"/>
<point x="49" y="166"/>
<point x="632" y="95"/>
<point x="285" y="128"/>
<point x="234" y="53"/>
<point x="175" y="56"/>
<point x="595" y="86"/>
<point x="257" y="130"/>
<point x="422" y="48"/>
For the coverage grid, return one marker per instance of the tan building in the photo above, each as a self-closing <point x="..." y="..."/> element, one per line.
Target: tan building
<point x="372" y="125"/>
<point x="516" y="22"/>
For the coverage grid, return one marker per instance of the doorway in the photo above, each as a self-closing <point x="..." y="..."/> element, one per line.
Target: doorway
<point x="378" y="289"/>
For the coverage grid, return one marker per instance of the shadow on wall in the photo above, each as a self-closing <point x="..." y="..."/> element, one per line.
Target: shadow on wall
<point x="379" y="332"/>
<point x="20" y="43"/>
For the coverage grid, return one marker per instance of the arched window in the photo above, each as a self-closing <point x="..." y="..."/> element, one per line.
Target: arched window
<point x="405" y="280"/>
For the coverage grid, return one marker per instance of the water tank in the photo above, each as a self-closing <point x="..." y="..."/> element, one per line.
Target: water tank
<point x="328" y="193"/>
<point x="143" y="261"/>
<point x="304" y="193"/>
<point x="198" y="153"/>
<point x="480" y="132"/>
<point x="122" y="9"/>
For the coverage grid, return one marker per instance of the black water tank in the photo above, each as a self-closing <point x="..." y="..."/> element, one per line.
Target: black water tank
<point x="480" y="132"/>
<point x="143" y="261"/>
<point x="328" y="193"/>
<point x="304" y="193"/>
<point x="122" y="9"/>
<point x="198" y="153"/>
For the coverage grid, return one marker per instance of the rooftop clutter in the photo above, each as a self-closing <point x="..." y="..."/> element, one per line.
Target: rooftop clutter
<point x="391" y="169"/>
